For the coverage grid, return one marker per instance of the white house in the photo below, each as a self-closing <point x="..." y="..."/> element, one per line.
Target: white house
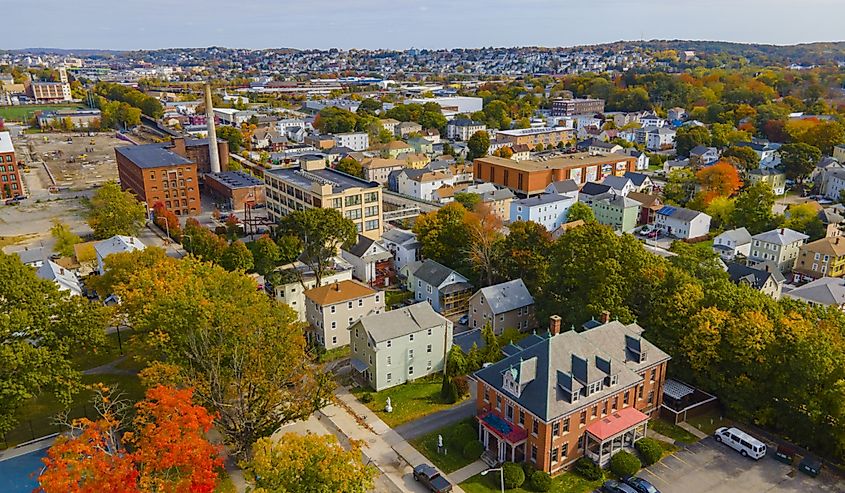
<point x="290" y="290"/>
<point x="779" y="247"/>
<point x="652" y="120"/>
<point x="682" y="223"/>
<point x="620" y="185"/>
<point x="548" y="209"/>
<point x="421" y="183"/>
<point x="357" y="141"/>
<point x="463" y="129"/>
<point x="732" y="243"/>
<point x="834" y="182"/>
<point x="403" y="245"/>
<point x="642" y="158"/>
<point x="65" y="279"/>
<point x="115" y="244"/>
<point x="370" y="260"/>
<point x="660" y="138"/>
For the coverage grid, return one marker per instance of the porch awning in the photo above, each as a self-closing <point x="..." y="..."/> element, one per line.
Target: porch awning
<point x="502" y="428"/>
<point x="358" y="365"/>
<point x="616" y="423"/>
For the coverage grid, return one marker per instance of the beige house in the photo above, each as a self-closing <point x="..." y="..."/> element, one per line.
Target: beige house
<point x="393" y="149"/>
<point x="289" y="289"/>
<point x="378" y="169"/>
<point x="399" y="346"/>
<point x="503" y="306"/>
<point x="778" y="247"/>
<point x="331" y="309"/>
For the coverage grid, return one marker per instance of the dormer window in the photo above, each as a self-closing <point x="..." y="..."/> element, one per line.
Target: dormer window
<point x="614" y="379"/>
<point x="575" y="395"/>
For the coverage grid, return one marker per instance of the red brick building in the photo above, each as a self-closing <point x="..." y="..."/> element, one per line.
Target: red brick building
<point x="566" y="395"/>
<point x="155" y="174"/>
<point x="235" y="189"/>
<point x="10" y="177"/>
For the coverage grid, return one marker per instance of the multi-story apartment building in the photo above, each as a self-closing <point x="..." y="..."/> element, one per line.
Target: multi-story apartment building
<point x="573" y="106"/>
<point x="155" y="174"/>
<point x="47" y="92"/>
<point x="332" y="308"/>
<point x="421" y="183"/>
<point x="820" y="258"/>
<point x="10" y="177"/>
<point x="399" y="346"/>
<point x="618" y="212"/>
<point x="463" y="129"/>
<point x="778" y="248"/>
<point x="379" y="169"/>
<point x="508" y="305"/>
<point x="532" y="137"/>
<point x="312" y="185"/>
<point x="297" y="278"/>
<point x="567" y="395"/>
<point x="357" y="141"/>
<point x="531" y="177"/>
<point x="548" y="209"/>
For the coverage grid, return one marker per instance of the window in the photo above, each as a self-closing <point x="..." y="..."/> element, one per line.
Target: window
<point x="388" y="360"/>
<point x="499" y="402"/>
<point x="334" y="339"/>
<point x="556" y="429"/>
<point x="389" y="343"/>
<point x="389" y="375"/>
<point x="565" y="425"/>
<point x="370" y="197"/>
<point x="428" y="349"/>
<point x="584" y="417"/>
<point x="348" y="305"/>
<point x="509" y="412"/>
<point x="625" y="399"/>
<point x="429" y="333"/>
<point x="361" y="302"/>
<point x="640" y="392"/>
<point x="564" y="450"/>
<point x="554" y="455"/>
<point x="371" y="211"/>
<point x="521" y="417"/>
<point x="332" y="309"/>
<point x="651" y="397"/>
<point x="410" y="370"/>
<point x="411" y="354"/>
<point x="334" y="325"/>
<point x="371" y="225"/>
<point x="352" y="200"/>
<point x="594" y="411"/>
<point x="534" y="453"/>
<point x="535" y="427"/>
<point x="412" y="337"/>
<point x="653" y="374"/>
<point x="428" y="366"/>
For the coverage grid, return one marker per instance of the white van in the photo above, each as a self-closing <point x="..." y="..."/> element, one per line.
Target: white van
<point x="742" y="442"/>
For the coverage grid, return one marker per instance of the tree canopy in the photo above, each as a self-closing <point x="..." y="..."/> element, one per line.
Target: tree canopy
<point x="113" y="211"/>
<point x="319" y="234"/>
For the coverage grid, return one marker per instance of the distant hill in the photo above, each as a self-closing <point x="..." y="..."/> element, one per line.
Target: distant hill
<point x="762" y="54"/>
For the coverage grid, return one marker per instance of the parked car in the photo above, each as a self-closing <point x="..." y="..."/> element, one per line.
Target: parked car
<point x="428" y="476"/>
<point x="640" y="484"/>
<point x="463" y="320"/>
<point x="612" y="486"/>
<point x="742" y="442"/>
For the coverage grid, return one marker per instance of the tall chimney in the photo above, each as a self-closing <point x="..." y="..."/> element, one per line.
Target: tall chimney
<point x="604" y="317"/>
<point x="213" y="154"/>
<point x="554" y="325"/>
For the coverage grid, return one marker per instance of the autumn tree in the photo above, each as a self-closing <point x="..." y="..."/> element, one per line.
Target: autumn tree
<point x="718" y="180"/>
<point x="65" y="238"/>
<point x="113" y="211"/>
<point x="742" y="157"/>
<point x="166" y="449"/>
<point x="244" y="354"/>
<point x="524" y="254"/>
<point x="309" y="463"/>
<point x="753" y="209"/>
<point x="202" y="242"/>
<point x="799" y="160"/>
<point x="580" y="212"/>
<point x="265" y="254"/>
<point x="805" y="218"/>
<point x="320" y="233"/>
<point x="33" y="309"/>
<point x="485" y="234"/>
<point x="350" y="167"/>
<point x="237" y="257"/>
<point x="167" y="220"/>
<point x="444" y="236"/>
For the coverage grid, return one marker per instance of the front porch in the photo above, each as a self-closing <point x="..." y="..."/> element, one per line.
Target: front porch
<point x="613" y="433"/>
<point x="503" y="442"/>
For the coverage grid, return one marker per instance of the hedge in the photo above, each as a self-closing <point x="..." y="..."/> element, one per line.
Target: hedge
<point x="625" y="464"/>
<point x="513" y="475"/>
<point x="588" y="469"/>
<point x="541" y="481"/>
<point x="473" y="450"/>
<point x="650" y="450"/>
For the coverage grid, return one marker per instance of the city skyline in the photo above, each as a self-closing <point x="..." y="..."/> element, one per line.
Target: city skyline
<point x="435" y="24"/>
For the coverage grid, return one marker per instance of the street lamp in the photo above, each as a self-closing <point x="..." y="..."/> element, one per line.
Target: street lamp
<point x="501" y="472"/>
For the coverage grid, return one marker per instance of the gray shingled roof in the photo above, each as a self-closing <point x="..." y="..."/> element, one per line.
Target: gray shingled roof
<point x="828" y="291"/>
<point x="781" y="236"/>
<point x="396" y="323"/>
<point x="756" y="278"/>
<point x="398" y="236"/>
<point x="740" y="236"/>
<point x="565" y="186"/>
<point x="616" y="182"/>
<point x="636" y="178"/>
<point x="573" y="360"/>
<point x="507" y="296"/>
<point x="592" y="188"/>
<point x="435" y="273"/>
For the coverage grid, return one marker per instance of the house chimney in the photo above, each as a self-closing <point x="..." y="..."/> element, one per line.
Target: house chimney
<point x="554" y="325"/>
<point x="336" y="286"/>
<point x="781" y="230"/>
<point x="604" y="317"/>
<point x="213" y="154"/>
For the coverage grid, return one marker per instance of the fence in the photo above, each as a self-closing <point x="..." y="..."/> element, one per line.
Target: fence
<point x="31" y="429"/>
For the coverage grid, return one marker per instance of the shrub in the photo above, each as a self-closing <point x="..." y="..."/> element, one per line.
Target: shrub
<point x="461" y="386"/>
<point x="650" y="450"/>
<point x="625" y="464"/>
<point x="513" y="474"/>
<point x="366" y="397"/>
<point x="473" y="450"/>
<point x="588" y="469"/>
<point x="528" y="468"/>
<point x="463" y="433"/>
<point x="541" y="481"/>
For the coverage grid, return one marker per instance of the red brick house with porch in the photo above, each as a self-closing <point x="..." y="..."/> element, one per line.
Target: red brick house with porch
<point x="562" y="396"/>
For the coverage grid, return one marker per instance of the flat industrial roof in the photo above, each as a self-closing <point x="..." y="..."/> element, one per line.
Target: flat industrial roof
<point x="6" y="142"/>
<point x="567" y="161"/>
<point x="235" y="179"/>
<point x="151" y="156"/>
<point x="340" y="181"/>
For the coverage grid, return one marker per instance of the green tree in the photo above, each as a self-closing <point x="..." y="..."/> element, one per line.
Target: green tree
<point x="309" y="464"/>
<point x="444" y="236"/>
<point x="580" y="212"/>
<point x="34" y="309"/>
<point x="753" y="209"/>
<point x="65" y="238"/>
<point x="456" y="362"/>
<point x="243" y="353"/>
<point x="265" y="254"/>
<point x="680" y="186"/>
<point x="689" y="137"/>
<point x="804" y="218"/>
<point x="202" y="242"/>
<point x="320" y="234"/>
<point x="524" y="254"/>
<point x="469" y="200"/>
<point x="350" y="167"/>
<point x="478" y="145"/>
<point x="744" y="157"/>
<point x="369" y="106"/>
<point x="335" y="120"/>
<point x="799" y="160"/>
<point x="237" y="257"/>
<point x="113" y="211"/>
<point x="231" y="135"/>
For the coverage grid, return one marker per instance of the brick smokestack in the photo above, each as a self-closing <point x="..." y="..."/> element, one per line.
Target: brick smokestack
<point x="554" y="325"/>
<point x="213" y="153"/>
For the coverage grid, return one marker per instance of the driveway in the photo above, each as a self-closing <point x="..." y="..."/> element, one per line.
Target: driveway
<point x="711" y="467"/>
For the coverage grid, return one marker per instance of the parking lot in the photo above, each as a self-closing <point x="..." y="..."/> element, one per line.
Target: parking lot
<point x="711" y="467"/>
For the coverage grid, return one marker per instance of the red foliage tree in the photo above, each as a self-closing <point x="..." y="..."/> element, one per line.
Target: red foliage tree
<point x="720" y="180"/>
<point x="166" y="452"/>
<point x="167" y="220"/>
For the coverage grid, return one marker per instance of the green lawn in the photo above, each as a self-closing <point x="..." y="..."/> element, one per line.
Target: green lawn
<point x="453" y="459"/>
<point x="335" y="354"/>
<point x="708" y="423"/>
<point x="672" y="431"/>
<point x="410" y="400"/>
<point x="20" y="113"/>
<point x="566" y="482"/>
<point x="395" y="297"/>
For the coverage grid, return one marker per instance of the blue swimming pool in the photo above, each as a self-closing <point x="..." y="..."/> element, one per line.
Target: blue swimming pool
<point x="18" y="475"/>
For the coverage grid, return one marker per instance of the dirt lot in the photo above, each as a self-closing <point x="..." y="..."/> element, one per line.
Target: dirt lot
<point x="78" y="164"/>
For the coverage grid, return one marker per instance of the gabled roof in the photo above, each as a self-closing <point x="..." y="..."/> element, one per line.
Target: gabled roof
<point x="616" y="182"/>
<point x="680" y="213"/>
<point x="646" y="200"/>
<point x="65" y="278"/>
<point x="592" y="188"/>
<point x="543" y="199"/>
<point x="118" y="244"/>
<point x="700" y="150"/>
<point x="835" y="247"/>
<point x="435" y="273"/>
<point x="401" y="322"/>
<point x="339" y="292"/>
<point x="756" y="278"/>
<point x="507" y="296"/>
<point x="361" y="248"/>
<point x="399" y="236"/>
<point x="828" y="291"/>
<point x="637" y="179"/>
<point x="740" y="236"/>
<point x="564" y="186"/>
<point x="782" y="236"/>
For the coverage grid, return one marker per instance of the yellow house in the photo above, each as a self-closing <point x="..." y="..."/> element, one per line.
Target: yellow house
<point x="415" y="160"/>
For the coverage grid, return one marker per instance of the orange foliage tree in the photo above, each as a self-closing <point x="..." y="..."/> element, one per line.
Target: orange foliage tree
<point x="720" y="180"/>
<point x="166" y="450"/>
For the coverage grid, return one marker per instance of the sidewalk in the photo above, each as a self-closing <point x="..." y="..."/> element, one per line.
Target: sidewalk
<point x="692" y="429"/>
<point x="385" y="448"/>
<point x="469" y="471"/>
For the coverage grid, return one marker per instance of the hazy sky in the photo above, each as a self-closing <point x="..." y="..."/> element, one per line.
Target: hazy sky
<point x="148" y="24"/>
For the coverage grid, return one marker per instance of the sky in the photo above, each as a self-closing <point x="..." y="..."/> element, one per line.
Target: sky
<point x="401" y="24"/>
